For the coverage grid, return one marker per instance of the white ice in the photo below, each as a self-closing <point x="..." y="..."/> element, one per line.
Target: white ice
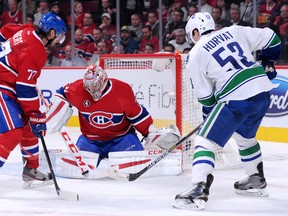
<point x="145" y="196"/>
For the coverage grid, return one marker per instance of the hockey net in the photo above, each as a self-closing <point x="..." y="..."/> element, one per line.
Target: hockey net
<point x="161" y="84"/>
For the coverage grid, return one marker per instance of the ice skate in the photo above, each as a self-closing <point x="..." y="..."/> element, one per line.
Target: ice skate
<point x="33" y="178"/>
<point x="254" y="185"/>
<point x="196" y="197"/>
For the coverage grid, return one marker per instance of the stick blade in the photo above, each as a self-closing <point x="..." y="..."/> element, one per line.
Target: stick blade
<point x="67" y="195"/>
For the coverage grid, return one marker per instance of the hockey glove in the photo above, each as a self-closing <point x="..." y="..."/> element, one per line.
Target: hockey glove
<point x="270" y="71"/>
<point x="37" y="123"/>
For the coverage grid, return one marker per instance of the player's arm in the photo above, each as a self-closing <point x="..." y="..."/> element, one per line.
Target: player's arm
<point x="10" y="29"/>
<point x="269" y="45"/>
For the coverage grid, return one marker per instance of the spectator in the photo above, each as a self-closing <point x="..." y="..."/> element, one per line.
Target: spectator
<point x="108" y="30"/>
<point x="235" y="17"/>
<point x="136" y="27"/>
<point x="118" y="51"/>
<point x="178" y="4"/>
<point x="78" y="15"/>
<point x="281" y="22"/>
<point x="154" y="23"/>
<point x="42" y="9"/>
<point x="180" y="42"/>
<point x="92" y="47"/>
<point x="31" y="7"/>
<point x="13" y="15"/>
<point x="186" y="50"/>
<point x="88" y="27"/>
<point x="81" y="45"/>
<point x="68" y="61"/>
<point x="30" y="19"/>
<point x="246" y="8"/>
<point x="149" y="48"/>
<point x="165" y="12"/>
<point x="219" y="22"/>
<point x="176" y="23"/>
<point x="105" y="7"/>
<point x="102" y="49"/>
<point x="168" y="48"/>
<point x="225" y="9"/>
<point x="265" y="13"/>
<point x="128" y="42"/>
<point x="192" y="9"/>
<point x="129" y="7"/>
<point x="205" y="7"/>
<point x="147" y="37"/>
<point x="55" y="8"/>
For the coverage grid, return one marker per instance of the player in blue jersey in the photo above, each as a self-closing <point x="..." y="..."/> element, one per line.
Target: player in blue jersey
<point x="234" y="91"/>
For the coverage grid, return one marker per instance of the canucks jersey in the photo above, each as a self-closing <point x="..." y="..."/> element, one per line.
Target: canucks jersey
<point x="222" y="67"/>
<point x="115" y="114"/>
<point x="22" y="57"/>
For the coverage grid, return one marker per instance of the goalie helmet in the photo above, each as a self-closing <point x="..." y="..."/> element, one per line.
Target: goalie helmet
<point x="202" y="22"/>
<point x="95" y="81"/>
<point x="51" y="21"/>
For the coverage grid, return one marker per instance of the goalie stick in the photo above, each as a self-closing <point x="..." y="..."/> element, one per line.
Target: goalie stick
<point x="134" y="176"/>
<point x="66" y="195"/>
<point x="82" y="165"/>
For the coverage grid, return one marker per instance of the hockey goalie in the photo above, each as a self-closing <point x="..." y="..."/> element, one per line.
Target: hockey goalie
<point x="109" y="118"/>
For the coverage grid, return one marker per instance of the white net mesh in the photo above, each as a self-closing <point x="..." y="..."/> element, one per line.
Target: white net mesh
<point x="161" y="83"/>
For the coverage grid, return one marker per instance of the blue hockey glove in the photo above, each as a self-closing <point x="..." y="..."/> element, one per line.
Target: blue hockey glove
<point x="37" y="123"/>
<point x="270" y="71"/>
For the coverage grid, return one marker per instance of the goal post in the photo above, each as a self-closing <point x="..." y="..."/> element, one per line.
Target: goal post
<point x="162" y="84"/>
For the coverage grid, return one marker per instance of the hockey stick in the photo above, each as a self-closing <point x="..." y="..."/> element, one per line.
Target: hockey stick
<point x="82" y="165"/>
<point x="66" y="195"/>
<point x="134" y="176"/>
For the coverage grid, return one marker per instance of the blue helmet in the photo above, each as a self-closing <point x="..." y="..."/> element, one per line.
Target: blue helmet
<point x="52" y="21"/>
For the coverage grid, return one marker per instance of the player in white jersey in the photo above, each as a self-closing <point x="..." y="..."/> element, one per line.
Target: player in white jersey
<point x="234" y="91"/>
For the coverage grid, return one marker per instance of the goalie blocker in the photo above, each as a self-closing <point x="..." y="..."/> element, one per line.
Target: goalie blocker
<point x="119" y="164"/>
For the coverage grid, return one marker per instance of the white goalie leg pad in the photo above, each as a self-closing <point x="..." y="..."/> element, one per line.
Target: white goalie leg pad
<point x="134" y="161"/>
<point x="65" y="165"/>
<point x="58" y="114"/>
<point x="165" y="138"/>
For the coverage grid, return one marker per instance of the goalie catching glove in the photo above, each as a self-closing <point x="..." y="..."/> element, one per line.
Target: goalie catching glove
<point x="164" y="138"/>
<point x="58" y="114"/>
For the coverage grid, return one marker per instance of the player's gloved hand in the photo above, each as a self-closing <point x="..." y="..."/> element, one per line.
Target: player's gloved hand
<point x="270" y="71"/>
<point x="268" y="66"/>
<point x="37" y="122"/>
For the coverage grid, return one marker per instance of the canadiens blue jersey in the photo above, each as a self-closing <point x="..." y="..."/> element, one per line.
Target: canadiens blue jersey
<point x="115" y="114"/>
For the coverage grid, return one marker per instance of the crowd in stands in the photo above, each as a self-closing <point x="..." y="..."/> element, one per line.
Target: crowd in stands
<point x="95" y="24"/>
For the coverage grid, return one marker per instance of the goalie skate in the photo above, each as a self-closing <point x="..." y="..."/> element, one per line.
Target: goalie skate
<point x="33" y="178"/>
<point x="196" y="197"/>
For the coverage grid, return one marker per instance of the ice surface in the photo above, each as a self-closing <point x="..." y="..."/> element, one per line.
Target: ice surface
<point x="146" y="196"/>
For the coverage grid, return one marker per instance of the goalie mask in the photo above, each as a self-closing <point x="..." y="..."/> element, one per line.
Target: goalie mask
<point x="95" y="81"/>
<point x="202" y="22"/>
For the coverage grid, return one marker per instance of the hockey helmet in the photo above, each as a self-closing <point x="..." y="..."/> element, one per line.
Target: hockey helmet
<point x="202" y="22"/>
<point x="95" y="81"/>
<point x="52" y="21"/>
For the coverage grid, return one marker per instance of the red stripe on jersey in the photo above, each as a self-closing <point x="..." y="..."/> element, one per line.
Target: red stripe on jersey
<point x="6" y="113"/>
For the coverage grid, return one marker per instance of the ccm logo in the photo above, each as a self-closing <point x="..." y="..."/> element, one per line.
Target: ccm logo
<point x="154" y="152"/>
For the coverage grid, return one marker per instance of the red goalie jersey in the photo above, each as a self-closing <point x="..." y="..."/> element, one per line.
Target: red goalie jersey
<point x="22" y="56"/>
<point x="115" y="114"/>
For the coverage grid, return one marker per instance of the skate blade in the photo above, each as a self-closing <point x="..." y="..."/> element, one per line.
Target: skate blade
<point x="253" y="192"/>
<point x="35" y="184"/>
<point x="198" y="204"/>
